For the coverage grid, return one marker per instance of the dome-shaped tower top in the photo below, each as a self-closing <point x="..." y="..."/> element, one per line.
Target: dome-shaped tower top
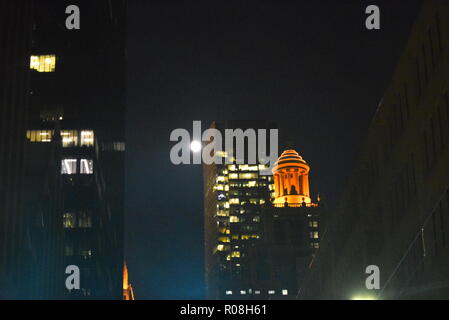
<point x="291" y="179"/>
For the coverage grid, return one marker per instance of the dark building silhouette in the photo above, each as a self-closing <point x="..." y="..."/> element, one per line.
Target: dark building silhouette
<point x="15" y="37"/>
<point x="395" y="212"/>
<point x="68" y="145"/>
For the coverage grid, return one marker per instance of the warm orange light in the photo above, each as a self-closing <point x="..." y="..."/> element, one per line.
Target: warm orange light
<point x="128" y="293"/>
<point x="291" y="179"/>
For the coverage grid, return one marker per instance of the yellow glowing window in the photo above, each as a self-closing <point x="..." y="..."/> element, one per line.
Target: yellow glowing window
<point x="246" y="237"/>
<point x="224" y="239"/>
<point x="233" y="176"/>
<point x="222" y="247"/>
<point x="235" y="254"/>
<point x="222" y="213"/>
<point x="234" y="201"/>
<point x="245" y="167"/>
<point x="69" y="220"/>
<point x="231" y="167"/>
<point x="252" y="183"/>
<point x="69" y="138"/>
<point x="314" y="235"/>
<point x="248" y="175"/>
<point x="87" y="138"/>
<point x="39" y="135"/>
<point x="43" y="63"/>
<point x="233" y="219"/>
<point x="224" y="230"/>
<point x="313" y="224"/>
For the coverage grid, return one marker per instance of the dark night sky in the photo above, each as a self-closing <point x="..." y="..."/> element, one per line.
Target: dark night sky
<point x="310" y="65"/>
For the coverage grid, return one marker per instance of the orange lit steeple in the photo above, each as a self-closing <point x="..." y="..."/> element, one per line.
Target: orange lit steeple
<point x="291" y="179"/>
<point x="128" y="293"/>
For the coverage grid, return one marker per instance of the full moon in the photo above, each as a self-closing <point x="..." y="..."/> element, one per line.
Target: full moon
<point x="195" y="146"/>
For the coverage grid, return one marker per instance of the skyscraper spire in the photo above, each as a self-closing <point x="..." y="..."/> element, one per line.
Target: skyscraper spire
<point x="291" y="179"/>
<point x="128" y="293"/>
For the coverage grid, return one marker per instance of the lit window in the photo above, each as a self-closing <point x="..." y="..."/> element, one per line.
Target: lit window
<point x="313" y="224"/>
<point x="87" y="138"/>
<point x="252" y="183"/>
<point x="242" y="292"/>
<point x="270" y="291"/>
<point x="235" y="254"/>
<point x="248" y="176"/>
<point x="68" y="166"/>
<point x="39" y="135"/>
<point x="87" y="166"/>
<point x="233" y="176"/>
<point x="43" y="63"/>
<point x="228" y="292"/>
<point x="224" y="239"/>
<point x="257" y="292"/>
<point x="233" y="219"/>
<point x="284" y="292"/>
<point x="69" y="220"/>
<point x="314" y="235"/>
<point x="234" y="201"/>
<point x="69" y="138"/>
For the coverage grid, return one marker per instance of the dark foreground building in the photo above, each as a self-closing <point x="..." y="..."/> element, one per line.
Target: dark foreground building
<point x="70" y="201"/>
<point x="395" y="214"/>
<point x="15" y="40"/>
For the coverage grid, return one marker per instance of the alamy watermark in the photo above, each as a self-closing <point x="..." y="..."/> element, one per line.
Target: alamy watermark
<point x="210" y="147"/>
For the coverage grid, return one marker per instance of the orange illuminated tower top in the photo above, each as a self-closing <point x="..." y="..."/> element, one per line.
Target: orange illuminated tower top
<point x="291" y="180"/>
<point x="128" y="293"/>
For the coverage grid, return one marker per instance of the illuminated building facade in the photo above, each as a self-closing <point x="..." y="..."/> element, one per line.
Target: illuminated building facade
<point x="234" y="195"/>
<point x="74" y="170"/>
<point x="395" y="211"/>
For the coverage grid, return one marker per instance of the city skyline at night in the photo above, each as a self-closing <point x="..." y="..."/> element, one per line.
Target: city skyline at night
<point x="226" y="151"/>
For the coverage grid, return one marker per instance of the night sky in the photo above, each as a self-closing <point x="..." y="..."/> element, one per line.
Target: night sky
<point x="312" y="66"/>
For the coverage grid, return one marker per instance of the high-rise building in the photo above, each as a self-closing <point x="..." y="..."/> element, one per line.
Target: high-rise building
<point x="395" y="211"/>
<point x="290" y="233"/>
<point x="15" y="39"/>
<point x="74" y="169"/>
<point x="234" y="195"/>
